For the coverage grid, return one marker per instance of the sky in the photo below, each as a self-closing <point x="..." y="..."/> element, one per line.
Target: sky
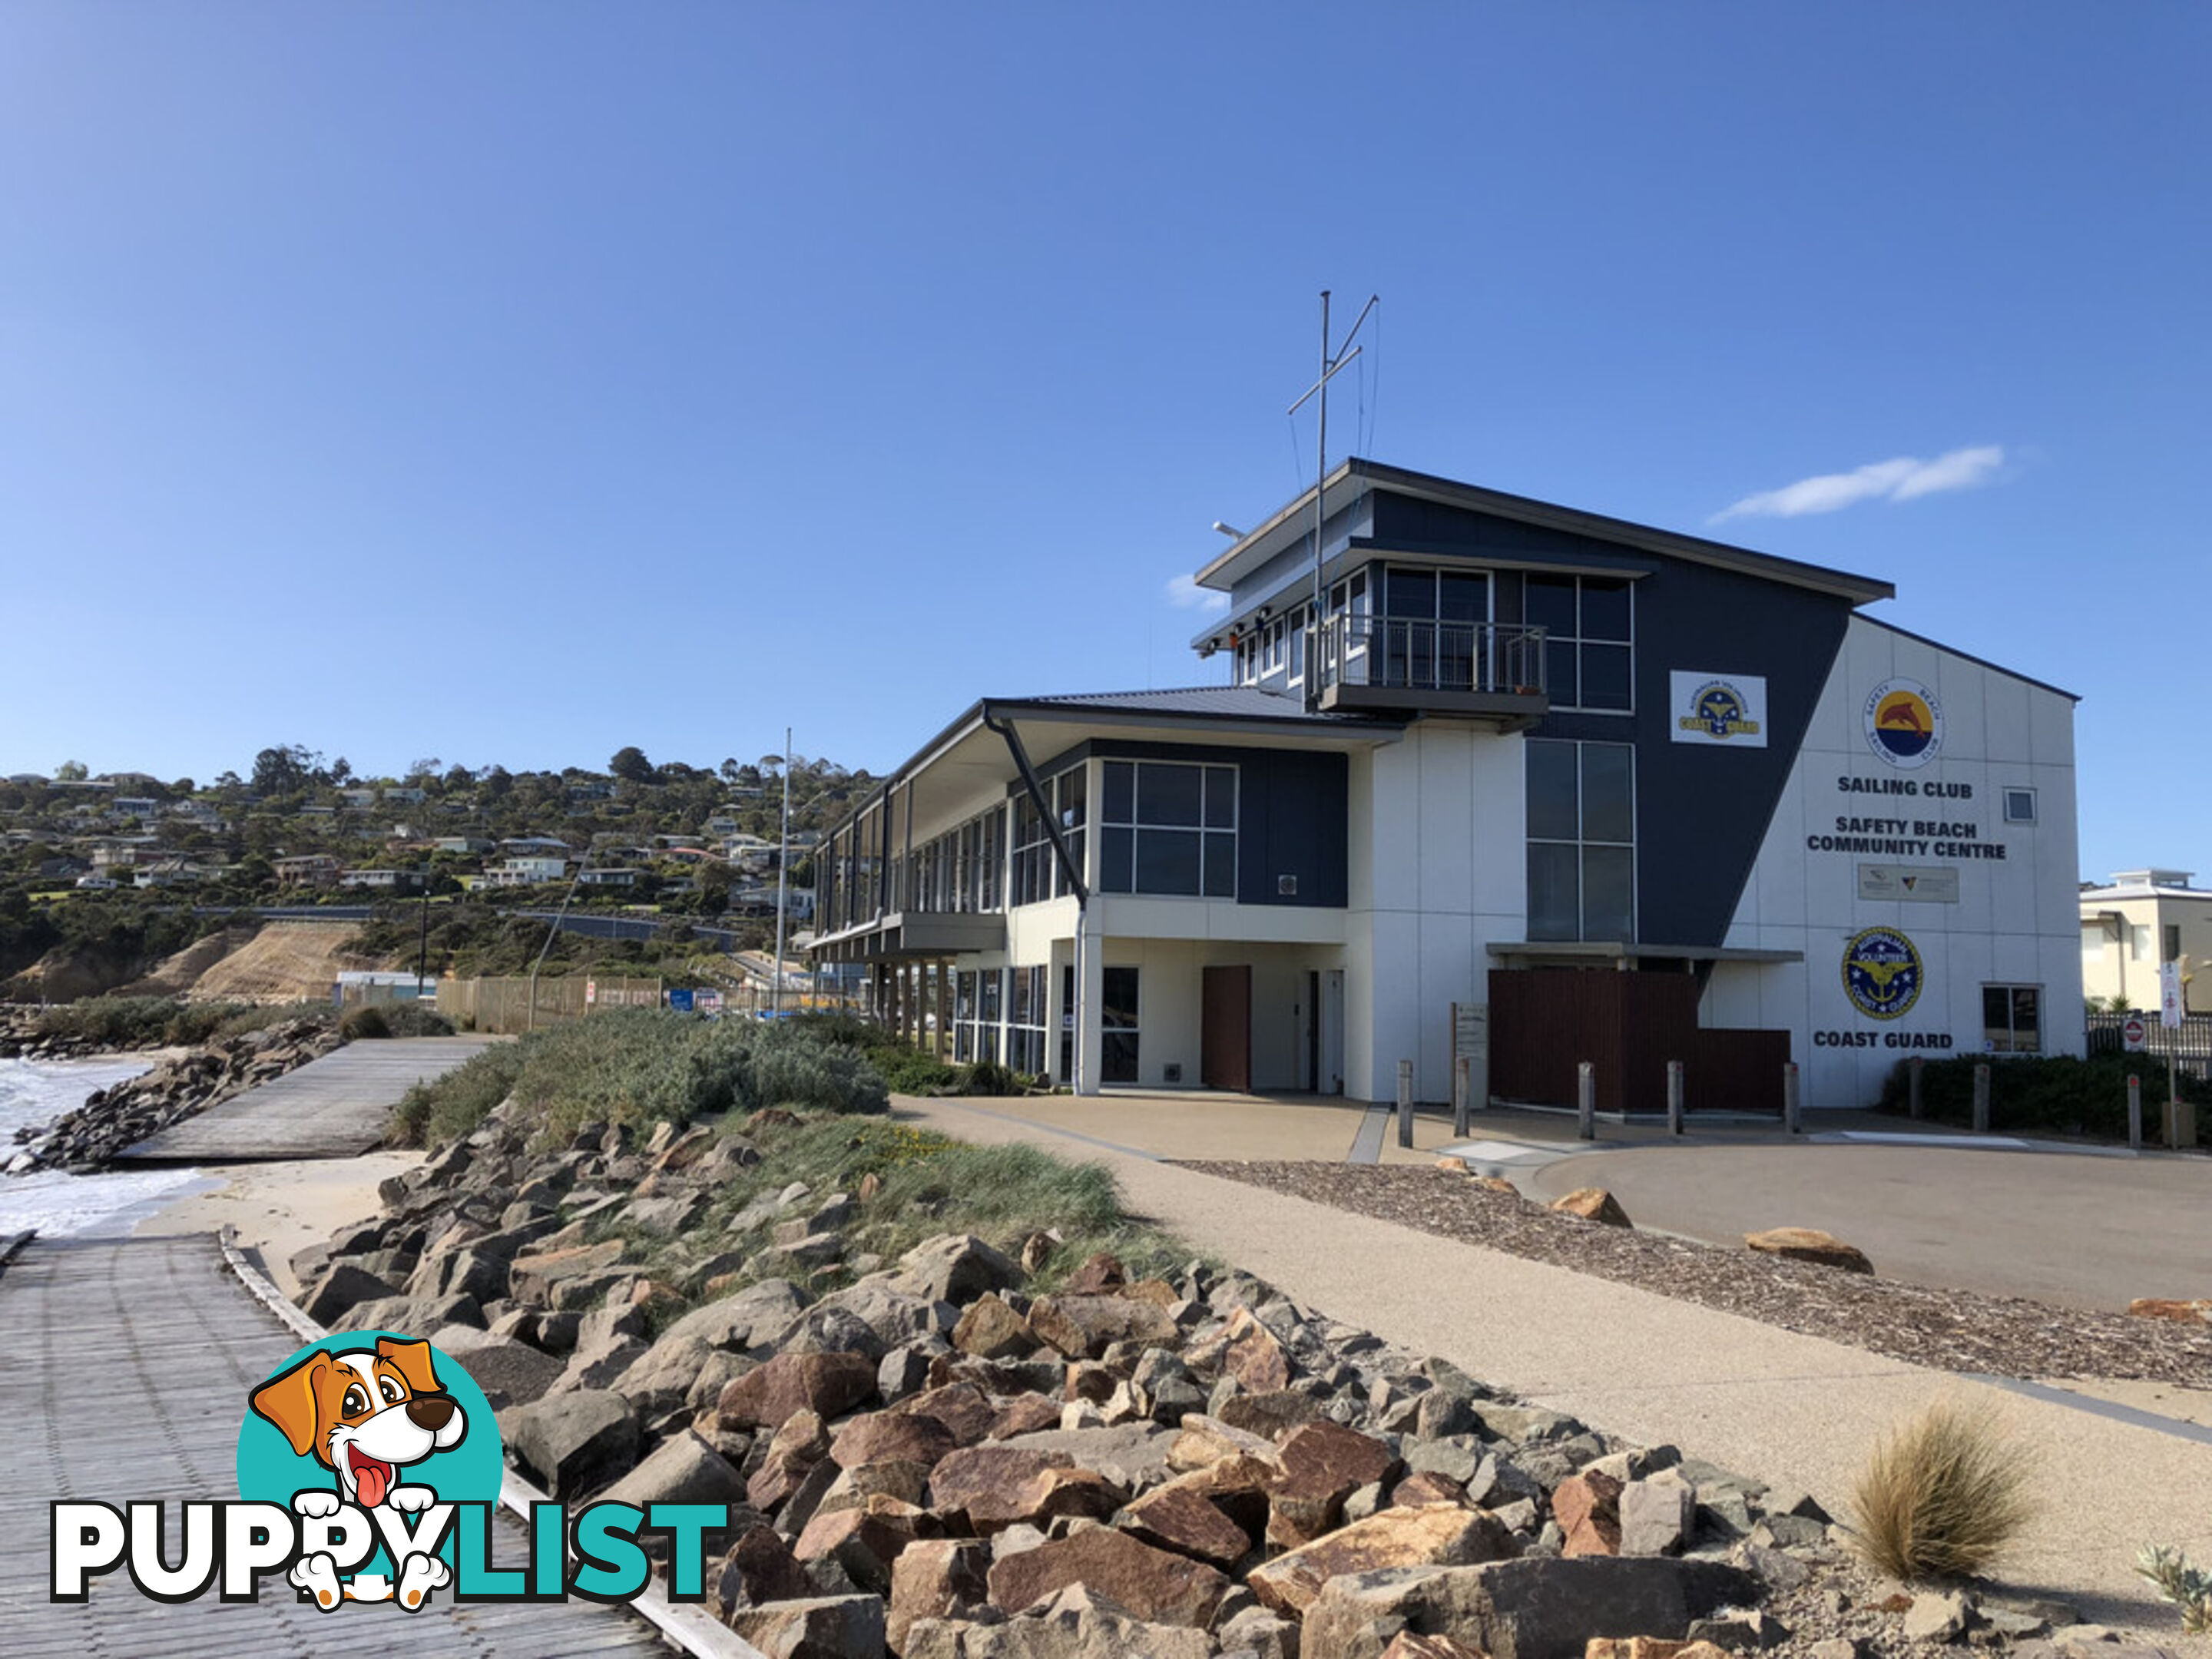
<point x="511" y="382"/>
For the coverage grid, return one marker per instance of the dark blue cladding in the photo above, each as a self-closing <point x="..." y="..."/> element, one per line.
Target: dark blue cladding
<point x="1293" y="815"/>
<point x="1702" y="811"/>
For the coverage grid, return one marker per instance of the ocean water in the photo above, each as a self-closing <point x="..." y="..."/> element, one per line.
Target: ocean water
<point x="56" y="1205"/>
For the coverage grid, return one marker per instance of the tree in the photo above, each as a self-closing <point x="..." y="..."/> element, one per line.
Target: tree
<point x="428" y="767"/>
<point x="341" y="769"/>
<point x="287" y="769"/>
<point x="630" y="764"/>
<point x="71" y="771"/>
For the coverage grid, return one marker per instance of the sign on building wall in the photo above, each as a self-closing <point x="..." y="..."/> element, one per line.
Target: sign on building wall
<point x="1904" y="884"/>
<point x="1903" y="723"/>
<point x="1729" y="709"/>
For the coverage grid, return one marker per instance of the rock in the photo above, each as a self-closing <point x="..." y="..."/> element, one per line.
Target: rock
<point x="1156" y="1586"/>
<point x="1593" y="1204"/>
<point x="1649" y="1647"/>
<point x="1038" y="1248"/>
<point x="758" y="1567"/>
<point x="745" y="1320"/>
<point x="1083" y="1327"/>
<point x="1839" y="1647"/>
<point x="343" y="1288"/>
<point x="1100" y="1275"/>
<point x="892" y="1314"/>
<point x="1809" y="1244"/>
<point x="1588" y="1508"/>
<point x="2185" y="1313"/>
<point x="682" y="1469"/>
<point x="823" y="1627"/>
<point x="1432" y="1534"/>
<point x="1180" y="1517"/>
<point x="573" y="1443"/>
<point x="828" y="1384"/>
<point x="1938" y="1617"/>
<point x="863" y="1541"/>
<point x="1428" y="1486"/>
<point x="1322" y="1464"/>
<point x="935" y="1578"/>
<point x="891" y="1437"/>
<point x="1258" y="1632"/>
<point x="509" y="1372"/>
<point x="996" y="1486"/>
<point x="533" y="1278"/>
<point x="661" y="1378"/>
<point x="826" y="1327"/>
<point x="596" y="1364"/>
<point x="1656" y="1517"/>
<point x="1133" y="1455"/>
<point x="956" y="1268"/>
<point x="1071" y="1624"/>
<point x="992" y="1330"/>
<point x="1407" y="1646"/>
<point x="1531" y="1608"/>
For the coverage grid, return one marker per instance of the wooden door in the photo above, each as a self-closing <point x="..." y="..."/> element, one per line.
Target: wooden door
<point x="1225" y="1028"/>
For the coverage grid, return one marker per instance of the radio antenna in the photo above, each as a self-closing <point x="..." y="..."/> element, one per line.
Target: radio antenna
<point x="1330" y="362"/>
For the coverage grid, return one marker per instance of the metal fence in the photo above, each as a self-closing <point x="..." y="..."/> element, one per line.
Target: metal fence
<point x="2190" y="1043"/>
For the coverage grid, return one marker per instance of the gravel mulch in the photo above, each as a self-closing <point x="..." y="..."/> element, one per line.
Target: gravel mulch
<point x="1947" y="1330"/>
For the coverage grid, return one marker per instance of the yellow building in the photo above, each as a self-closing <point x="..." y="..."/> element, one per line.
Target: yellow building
<point x="2140" y="920"/>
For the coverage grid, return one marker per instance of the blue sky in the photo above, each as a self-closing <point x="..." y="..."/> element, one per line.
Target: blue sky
<point x="516" y="382"/>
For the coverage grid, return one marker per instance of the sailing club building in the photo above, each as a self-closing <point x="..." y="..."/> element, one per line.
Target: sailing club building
<point x="1499" y="780"/>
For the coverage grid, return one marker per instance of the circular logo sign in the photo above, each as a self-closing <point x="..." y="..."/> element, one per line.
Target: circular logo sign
<point x="1903" y="723"/>
<point x="1881" y="973"/>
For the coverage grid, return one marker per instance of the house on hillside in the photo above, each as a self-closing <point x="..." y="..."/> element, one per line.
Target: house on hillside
<point x="1498" y="781"/>
<point x="2133" y="926"/>
<point x="308" y="870"/>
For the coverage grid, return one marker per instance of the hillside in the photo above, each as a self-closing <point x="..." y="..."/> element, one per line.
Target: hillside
<point x="285" y="961"/>
<point x="177" y="974"/>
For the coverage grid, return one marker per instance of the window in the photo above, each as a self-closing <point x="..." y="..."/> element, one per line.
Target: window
<point x="2138" y="943"/>
<point x="1588" y="631"/>
<point x="2020" y="805"/>
<point x="1025" y="1021"/>
<point x="1582" y="840"/>
<point x="2012" y="1019"/>
<point x="2170" y="942"/>
<point x="1033" y="857"/>
<point x="1168" y="826"/>
<point x="1118" y="1017"/>
<point x="1072" y="796"/>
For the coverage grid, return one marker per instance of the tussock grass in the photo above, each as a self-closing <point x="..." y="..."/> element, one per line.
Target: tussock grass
<point x="1941" y="1497"/>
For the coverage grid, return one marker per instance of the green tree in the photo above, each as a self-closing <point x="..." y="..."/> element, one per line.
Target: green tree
<point x="71" y="771"/>
<point x="630" y="764"/>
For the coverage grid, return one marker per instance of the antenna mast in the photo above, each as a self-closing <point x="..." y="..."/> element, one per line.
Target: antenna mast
<point x="1346" y="352"/>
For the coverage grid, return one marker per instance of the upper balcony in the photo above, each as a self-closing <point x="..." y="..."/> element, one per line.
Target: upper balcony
<point x="1489" y="672"/>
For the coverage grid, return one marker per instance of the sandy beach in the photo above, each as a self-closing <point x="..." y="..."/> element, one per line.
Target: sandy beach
<point x="280" y="1208"/>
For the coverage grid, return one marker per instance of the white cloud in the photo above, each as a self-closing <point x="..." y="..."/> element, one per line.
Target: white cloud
<point x="1185" y="595"/>
<point x="1904" y="479"/>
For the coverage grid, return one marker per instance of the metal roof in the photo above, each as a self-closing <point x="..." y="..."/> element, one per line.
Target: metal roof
<point x="1200" y="701"/>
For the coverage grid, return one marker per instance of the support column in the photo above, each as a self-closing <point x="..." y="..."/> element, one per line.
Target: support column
<point x="1090" y="1004"/>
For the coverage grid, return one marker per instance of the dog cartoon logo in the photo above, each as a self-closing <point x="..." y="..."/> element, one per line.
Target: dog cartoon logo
<point x="1903" y="723"/>
<point x="363" y="1417"/>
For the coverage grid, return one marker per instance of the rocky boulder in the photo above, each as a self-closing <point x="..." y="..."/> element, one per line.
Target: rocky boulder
<point x="1809" y="1244"/>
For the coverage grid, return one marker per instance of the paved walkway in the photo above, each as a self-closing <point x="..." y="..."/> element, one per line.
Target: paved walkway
<point x="334" y="1107"/>
<point x="125" y="1366"/>
<point x="1786" y="1408"/>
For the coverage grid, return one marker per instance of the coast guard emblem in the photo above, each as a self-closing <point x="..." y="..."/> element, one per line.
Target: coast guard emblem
<point x="1718" y="711"/>
<point x="1881" y="973"/>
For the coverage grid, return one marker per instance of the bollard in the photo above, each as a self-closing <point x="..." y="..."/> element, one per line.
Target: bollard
<point x="1586" y="1100"/>
<point x="2134" y="1113"/>
<point x="1913" y="1076"/>
<point x="1404" y="1103"/>
<point x="1462" y="1095"/>
<point x="1789" y="1097"/>
<point x="1675" y="1096"/>
<point x="1982" y="1099"/>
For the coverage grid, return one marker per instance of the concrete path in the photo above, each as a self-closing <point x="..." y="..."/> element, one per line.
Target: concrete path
<point x="125" y="1366"/>
<point x="334" y="1107"/>
<point x="1786" y="1408"/>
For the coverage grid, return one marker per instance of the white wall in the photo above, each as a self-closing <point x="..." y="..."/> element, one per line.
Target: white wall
<point x="2015" y="921"/>
<point x="1439" y="873"/>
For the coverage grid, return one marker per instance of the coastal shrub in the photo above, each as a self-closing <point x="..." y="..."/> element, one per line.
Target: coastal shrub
<point x="2180" y="1581"/>
<point x="150" y="1022"/>
<point x="364" y="1023"/>
<point x="415" y="1019"/>
<point x="640" y="1066"/>
<point x="244" y="1021"/>
<point x="2057" y="1094"/>
<point x="447" y="1108"/>
<point x="1941" y="1497"/>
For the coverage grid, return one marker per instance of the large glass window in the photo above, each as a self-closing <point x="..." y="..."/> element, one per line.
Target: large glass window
<point x="1168" y="827"/>
<point x="1589" y="634"/>
<point x="1025" y="1020"/>
<point x="1582" y="840"/>
<point x="2012" y="1019"/>
<point x="1119" y="1017"/>
<point x="1071" y="794"/>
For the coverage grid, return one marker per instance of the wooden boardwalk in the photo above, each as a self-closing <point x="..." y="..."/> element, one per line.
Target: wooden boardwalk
<point x="125" y="1366"/>
<point x="334" y="1107"/>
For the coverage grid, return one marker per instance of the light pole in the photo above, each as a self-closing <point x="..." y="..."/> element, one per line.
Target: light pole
<point x="782" y="876"/>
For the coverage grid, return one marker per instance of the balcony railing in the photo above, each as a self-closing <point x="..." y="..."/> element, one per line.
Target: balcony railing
<point x="1478" y="670"/>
